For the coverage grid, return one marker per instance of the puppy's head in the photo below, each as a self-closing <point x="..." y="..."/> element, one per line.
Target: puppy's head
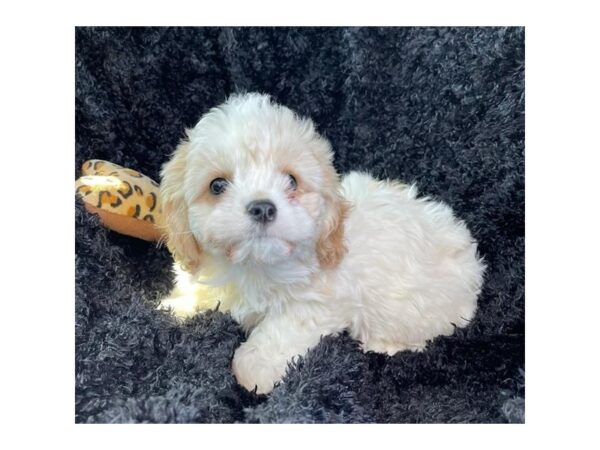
<point x="253" y="182"/>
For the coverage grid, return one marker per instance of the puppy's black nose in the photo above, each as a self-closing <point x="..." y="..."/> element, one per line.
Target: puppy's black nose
<point x="262" y="211"/>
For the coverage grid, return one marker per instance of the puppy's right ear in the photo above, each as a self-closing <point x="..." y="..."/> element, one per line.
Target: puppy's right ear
<point x="180" y="240"/>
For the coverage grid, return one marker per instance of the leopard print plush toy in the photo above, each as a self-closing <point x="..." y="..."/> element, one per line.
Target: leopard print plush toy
<point x="125" y="200"/>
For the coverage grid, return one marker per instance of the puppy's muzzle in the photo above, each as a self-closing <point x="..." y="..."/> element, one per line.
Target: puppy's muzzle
<point x="262" y="211"/>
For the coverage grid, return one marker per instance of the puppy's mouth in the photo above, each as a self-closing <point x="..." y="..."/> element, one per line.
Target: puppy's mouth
<point x="261" y="248"/>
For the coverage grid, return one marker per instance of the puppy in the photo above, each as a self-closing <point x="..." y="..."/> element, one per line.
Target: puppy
<point x="260" y="224"/>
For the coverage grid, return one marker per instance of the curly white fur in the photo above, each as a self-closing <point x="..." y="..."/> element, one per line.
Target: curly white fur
<point x="362" y="255"/>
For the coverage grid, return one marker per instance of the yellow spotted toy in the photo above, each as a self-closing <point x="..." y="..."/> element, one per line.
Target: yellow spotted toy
<point x="125" y="200"/>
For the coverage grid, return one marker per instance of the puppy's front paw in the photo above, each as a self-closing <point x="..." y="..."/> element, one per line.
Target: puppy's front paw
<point x="252" y="368"/>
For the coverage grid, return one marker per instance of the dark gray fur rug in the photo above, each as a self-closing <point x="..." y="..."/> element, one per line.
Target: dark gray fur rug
<point x="440" y="107"/>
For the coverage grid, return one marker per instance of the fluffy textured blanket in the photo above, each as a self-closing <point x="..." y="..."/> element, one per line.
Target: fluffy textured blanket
<point x="440" y="107"/>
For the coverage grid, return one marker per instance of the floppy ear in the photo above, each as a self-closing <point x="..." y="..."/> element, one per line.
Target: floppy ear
<point x="330" y="245"/>
<point x="180" y="240"/>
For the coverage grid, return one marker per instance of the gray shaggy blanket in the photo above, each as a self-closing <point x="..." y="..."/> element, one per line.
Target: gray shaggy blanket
<point x="440" y="107"/>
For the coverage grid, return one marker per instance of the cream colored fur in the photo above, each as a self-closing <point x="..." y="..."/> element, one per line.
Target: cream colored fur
<point x="362" y="255"/>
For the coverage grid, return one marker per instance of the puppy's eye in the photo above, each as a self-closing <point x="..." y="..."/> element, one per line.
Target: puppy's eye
<point x="218" y="186"/>
<point x="293" y="184"/>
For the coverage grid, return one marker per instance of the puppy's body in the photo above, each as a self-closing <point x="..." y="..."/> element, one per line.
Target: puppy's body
<point x="366" y="256"/>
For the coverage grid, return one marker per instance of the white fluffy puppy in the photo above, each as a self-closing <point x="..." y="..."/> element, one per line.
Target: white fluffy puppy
<point x="259" y="222"/>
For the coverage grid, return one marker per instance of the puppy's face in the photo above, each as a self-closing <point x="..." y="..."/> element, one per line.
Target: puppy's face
<point x="253" y="183"/>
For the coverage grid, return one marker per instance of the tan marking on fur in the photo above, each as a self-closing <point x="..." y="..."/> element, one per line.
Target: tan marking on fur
<point x="330" y="246"/>
<point x="208" y="197"/>
<point x="289" y="170"/>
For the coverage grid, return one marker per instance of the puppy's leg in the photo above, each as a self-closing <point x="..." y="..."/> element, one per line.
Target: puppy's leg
<point x="262" y="360"/>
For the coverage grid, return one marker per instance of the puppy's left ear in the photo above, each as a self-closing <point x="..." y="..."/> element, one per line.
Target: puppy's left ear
<point x="330" y="245"/>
